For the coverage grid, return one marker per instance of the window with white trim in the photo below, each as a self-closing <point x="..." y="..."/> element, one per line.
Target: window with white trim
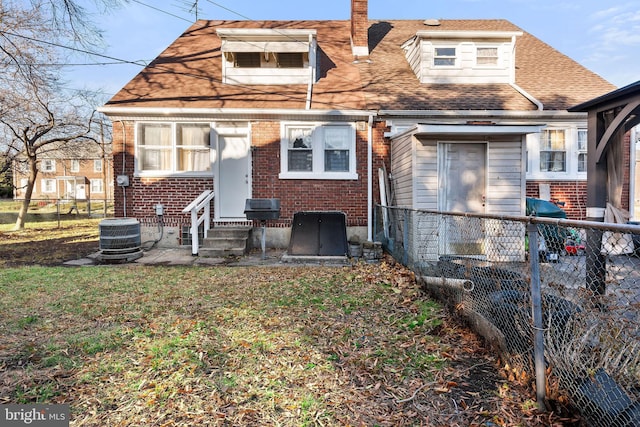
<point x="48" y="185"/>
<point x="312" y="151"/>
<point x="97" y="186"/>
<point x="553" y="154"/>
<point x="444" y="56"/>
<point x="174" y="147"/>
<point x="582" y="150"/>
<point x="193" y="147"/>
<point x="75" y="165"/>
<point x="486" y="56"/>
<point x="48" y="165"/>
<point x="97" y="165"/>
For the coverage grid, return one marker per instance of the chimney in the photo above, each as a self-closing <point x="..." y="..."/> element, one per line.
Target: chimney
<point x="359" y="29"/>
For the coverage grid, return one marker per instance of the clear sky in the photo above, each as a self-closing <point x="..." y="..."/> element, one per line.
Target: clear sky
<point x="603" y="36"/>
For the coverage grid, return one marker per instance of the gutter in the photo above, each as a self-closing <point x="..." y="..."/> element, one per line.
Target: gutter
<point x="484" y="114"/>
<point x="128" y="113"/>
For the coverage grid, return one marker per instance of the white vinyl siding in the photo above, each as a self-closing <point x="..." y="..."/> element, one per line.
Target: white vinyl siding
<point x="402" y="167"/>
<point x="426" y="175"/>
<point x="461" y="61"/>
<point x="505" y="177"/>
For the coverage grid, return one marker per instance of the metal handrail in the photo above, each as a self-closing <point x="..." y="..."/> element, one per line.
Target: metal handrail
<point x="202" y="201"/>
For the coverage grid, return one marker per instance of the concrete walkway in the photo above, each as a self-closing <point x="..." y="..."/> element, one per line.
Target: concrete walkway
<point x="182" y="256"/>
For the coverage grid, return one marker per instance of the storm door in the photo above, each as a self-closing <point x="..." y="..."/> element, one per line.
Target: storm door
<point x="462" y="188"/>
<point x="233" y="176"/>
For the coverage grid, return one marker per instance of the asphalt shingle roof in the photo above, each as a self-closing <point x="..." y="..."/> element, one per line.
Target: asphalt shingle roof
<point x="189" y="73"/>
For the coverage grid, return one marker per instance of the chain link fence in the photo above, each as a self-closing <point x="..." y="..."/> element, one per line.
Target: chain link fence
<point x="560" y="299"/>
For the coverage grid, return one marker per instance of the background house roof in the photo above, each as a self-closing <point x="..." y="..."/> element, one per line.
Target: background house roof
<point x="189" y="73"/>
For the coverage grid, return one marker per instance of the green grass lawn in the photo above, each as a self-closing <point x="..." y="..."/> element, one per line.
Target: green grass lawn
<point x="130" y="344"/>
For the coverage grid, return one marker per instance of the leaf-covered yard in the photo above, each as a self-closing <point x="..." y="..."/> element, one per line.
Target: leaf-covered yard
<point x="134" y="345"/>
<point x="129" y="345"/>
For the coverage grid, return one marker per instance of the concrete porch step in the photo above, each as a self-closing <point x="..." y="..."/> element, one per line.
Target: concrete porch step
<point x="225" y="241"/>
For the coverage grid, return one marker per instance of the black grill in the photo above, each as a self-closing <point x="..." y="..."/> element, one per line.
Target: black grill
<point x="262" y="209"/>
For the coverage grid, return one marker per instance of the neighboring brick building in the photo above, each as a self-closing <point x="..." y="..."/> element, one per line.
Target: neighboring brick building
<point x="83" y="172"/>
<point x="308" y="112"/>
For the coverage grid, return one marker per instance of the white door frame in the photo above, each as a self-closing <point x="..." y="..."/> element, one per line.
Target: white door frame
<point x="220" y="132"/>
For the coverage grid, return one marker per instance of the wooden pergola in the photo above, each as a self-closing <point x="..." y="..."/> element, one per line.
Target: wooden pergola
<point x="610" y="117"/>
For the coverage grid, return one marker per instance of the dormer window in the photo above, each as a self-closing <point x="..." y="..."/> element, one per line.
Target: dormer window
<point x="247" y="60"/>
<point x="486" y="56"/>
<point x="444" y="57"/>
<point x="268" y="56"/>
<point x="290" y="60"/>
<point x="462" y="57"/>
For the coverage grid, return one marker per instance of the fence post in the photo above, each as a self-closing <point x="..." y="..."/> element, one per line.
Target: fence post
<point x="536" y="308"/>
<point x="405" y="238"/>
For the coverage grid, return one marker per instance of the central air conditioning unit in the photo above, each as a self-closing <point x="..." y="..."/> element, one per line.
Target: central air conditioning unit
<point x="120" y="240"/>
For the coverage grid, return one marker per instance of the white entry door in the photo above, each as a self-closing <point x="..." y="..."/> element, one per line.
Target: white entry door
<point x="233" y="180"/>
<point x="462" y="188"/>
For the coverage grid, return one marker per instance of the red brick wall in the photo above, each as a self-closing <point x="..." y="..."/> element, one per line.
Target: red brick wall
<point x="348" y="196"/>
<point x="573" y="193"/>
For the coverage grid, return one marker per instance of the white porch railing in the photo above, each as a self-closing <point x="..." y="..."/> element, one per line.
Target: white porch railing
<point x="200" y="203"/>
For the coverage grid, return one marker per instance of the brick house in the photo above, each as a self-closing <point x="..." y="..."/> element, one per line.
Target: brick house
<point x="309" y="111"/>
<point x="80" y="172"/>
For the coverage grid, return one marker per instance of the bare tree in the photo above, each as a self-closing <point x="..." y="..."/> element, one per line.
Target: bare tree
<point x="35" y="114"/>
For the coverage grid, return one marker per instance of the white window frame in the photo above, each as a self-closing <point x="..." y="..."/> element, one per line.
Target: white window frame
<point x="318" y="149"/>
<point x="550" y="149"/>
<point x="48" y="185"/>
<point x="97" y="165"/>
<point x="48" y="165"/>
<point x="581" y="150"/>
<point x="497" y="56"/>
<point x="75" y="165"/>
<point x="173" y="166"/>
<point x="436" y="57"/>
<point x="96" y="186"/>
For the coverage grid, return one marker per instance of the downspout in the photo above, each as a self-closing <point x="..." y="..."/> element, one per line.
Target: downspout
<point x="632" y="171"/>
<point x="512" y="79"/>
<point x="369" y="178"/>
<point x="124" y="189"/>
<point x="312" y="72"/>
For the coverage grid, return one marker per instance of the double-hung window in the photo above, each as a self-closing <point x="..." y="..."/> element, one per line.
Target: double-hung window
<point x="97" y="165"/>
<point x="444" y="57"/>
<point x="174" y="148"/>
<point x="553" y="154"/>
<point x="582" y="150"/>
<point x="48" y="165"/>
<point x="192" y="143"/>
<point x="97" y="186"/>
<point x="318" y="152"/>
<point x="154" y="145"/>
<point x="48" y="185"/>
<point x="75" y="165"/>
<point x="486" y="56"/>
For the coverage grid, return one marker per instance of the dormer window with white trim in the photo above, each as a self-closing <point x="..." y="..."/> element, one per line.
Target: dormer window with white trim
<point x="444" y="57"/>
<point x="486" y="56"/>
<point x="462" y="57"/>
<point x="268" y="56"/>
